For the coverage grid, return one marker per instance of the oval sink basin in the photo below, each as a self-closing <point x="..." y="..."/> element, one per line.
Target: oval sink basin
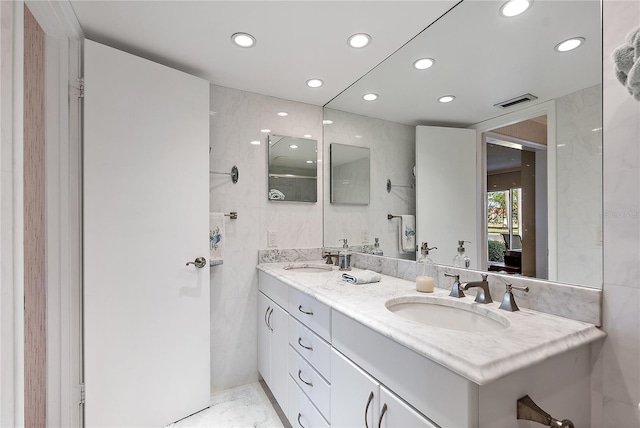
<point x="443" y="314"/>
<point x="308" y="268"/>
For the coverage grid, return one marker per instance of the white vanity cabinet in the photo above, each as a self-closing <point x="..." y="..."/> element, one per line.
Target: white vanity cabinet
<point x="358" y="399"/>
<point x="273" y="339"/>
<point x="327" y="368"/>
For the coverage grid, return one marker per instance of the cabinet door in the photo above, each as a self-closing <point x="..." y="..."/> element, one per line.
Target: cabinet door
<point x="396" y="413"/>
<point x="264" y="337"/>
<point x="354" y="394"/>
<point x="278" y="319"/>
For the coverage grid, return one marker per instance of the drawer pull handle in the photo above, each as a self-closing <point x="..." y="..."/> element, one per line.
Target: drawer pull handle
<point x="269" y="320"/>
<point x="265" y="318"/>
<point x="304" y="381"/>
<point x="300" y="423"/>
<point x="366" y="410"/>
<point x="303" y="311"/>
<point x="304" y="346"/>
<point x="384" y="410"/>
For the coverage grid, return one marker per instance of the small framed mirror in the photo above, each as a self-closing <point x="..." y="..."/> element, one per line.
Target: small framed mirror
<point x="350" y="174"/>
<point x="293" y="169"/>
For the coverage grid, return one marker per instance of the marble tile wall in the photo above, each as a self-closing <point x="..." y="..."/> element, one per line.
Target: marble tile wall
<point x="579" y="184"/>
<point x="237" y="118"/>
<point x="392" y="157"/>
<point x="615" y="380"/>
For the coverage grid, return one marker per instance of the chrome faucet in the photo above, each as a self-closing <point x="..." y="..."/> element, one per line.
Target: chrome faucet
<point x="483" y="295"/>
<point x="508" y="302"/>
<point x="456" y="291"/>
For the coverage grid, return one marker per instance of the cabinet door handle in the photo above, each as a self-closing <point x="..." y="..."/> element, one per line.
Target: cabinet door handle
<point x="300" y="423"/>
<point x="304" y="381"/>
<point x="265" y="318"/>
<point x="382" y="412"/>
<point x="366" y="410"/>
<point x="310" y="348"/>
<point x="303" y="311"/>
<point x="269" y="319"/>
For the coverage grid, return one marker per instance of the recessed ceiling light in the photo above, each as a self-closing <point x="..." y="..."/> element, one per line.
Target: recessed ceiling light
<point x="283" y="114"/>
<point x="370" y="97"/>
<point x="570" y="44"/>
<point x="423" y="63"/>
<point x="327" y="122"/>
<point x="314" y="83"/>
<point x="265" y="130"/>
<point x="307" y="135"/>
<point x="358" y="136"/>
<point x="514" y="7"/>
<point x="309" y="161"/>
<point x="255" y="142"/>
<point x="359" y="40"/>
<point x="293" y="146"/>
<point x="244" y="40"/>
<point x="446" y="99"/>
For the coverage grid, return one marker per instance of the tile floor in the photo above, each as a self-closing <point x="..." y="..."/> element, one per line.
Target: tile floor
<point x="245" y="406"/>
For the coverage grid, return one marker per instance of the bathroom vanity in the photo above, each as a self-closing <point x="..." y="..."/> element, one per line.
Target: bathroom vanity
<point x="337" y="354"/>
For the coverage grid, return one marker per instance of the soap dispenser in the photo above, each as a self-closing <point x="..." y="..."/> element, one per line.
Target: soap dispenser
<point x="461" y="260"/>
<point x="425" y="266"/>
<point x="344" y="256"/>
<point x="376" y="248"/>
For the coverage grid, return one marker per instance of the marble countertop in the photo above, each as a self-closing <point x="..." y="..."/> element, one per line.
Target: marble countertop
<point x="531" y="336"/>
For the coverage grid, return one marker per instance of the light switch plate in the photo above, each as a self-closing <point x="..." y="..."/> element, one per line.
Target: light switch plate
<point x="272" y="238"/>
<point x="364" y="236"/>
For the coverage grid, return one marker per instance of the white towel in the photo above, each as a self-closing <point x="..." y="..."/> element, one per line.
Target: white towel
<point x="407" y="234"/>
<point x="216" y="238"/>
<point x="364" y="277"/>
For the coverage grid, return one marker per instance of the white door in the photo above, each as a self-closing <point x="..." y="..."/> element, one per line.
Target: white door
<point x="355" y="395"/>
<point x="446" y="192"/>
<point x="396" y="413"/>
<point x="145" y="195"/>
<point x="264" y="337"/>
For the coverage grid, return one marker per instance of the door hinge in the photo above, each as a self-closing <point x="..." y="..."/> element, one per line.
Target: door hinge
<point x="82" y="397"/>
<point x="77" y="87"/>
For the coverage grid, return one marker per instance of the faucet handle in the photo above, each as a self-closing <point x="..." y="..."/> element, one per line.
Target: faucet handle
<point x="450" y="275"/>
<point x="456" y="290"/>
<point x="512" y="287"/>
<point x="508" y="301"/>
<point x="484" y="277"/>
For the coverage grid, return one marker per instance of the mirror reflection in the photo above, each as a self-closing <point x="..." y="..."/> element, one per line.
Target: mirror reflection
<point x="502" y="73"/>
<point x="293" y="169"/>
<point x="350" y="167"/>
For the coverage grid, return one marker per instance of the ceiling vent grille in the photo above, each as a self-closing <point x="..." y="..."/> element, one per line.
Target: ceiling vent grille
<point x="517" y="100"/>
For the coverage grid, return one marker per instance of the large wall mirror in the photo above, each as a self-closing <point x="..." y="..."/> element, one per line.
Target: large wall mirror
<point x="293" y="169"/>
<point x="523" y="181"/>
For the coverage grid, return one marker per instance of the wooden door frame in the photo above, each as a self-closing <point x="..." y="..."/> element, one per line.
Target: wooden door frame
<point x="63" y="46"/>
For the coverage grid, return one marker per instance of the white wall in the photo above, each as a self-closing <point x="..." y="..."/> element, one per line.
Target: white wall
<point x="579" y="184"/>
<point x="392" y="157"/>
<point x="239" y="117"/>
<point x="615" y="379"/>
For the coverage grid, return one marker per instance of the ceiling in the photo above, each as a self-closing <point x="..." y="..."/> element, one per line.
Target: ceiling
<point x="296" y="40"/>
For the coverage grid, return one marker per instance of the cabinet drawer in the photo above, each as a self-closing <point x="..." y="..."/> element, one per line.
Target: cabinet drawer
<point x="311" y="346"/>
<point x="316" y="388"/>
<point x="311" y="313"/>
<point x="302" y="414"/>
<point x="275" y="289"/>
